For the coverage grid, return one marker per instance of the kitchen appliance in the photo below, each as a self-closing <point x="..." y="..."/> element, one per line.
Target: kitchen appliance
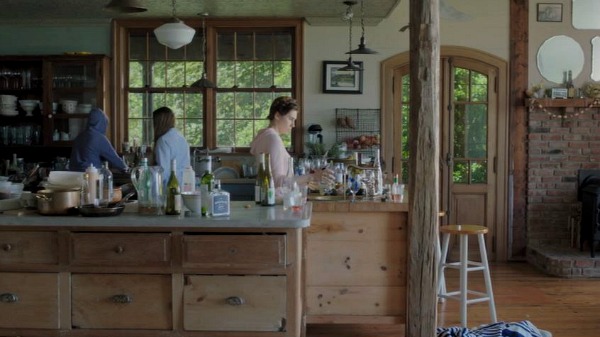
<point x="314" y="134"/>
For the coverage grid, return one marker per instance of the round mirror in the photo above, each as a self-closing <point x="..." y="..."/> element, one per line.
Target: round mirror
<point x="558" y="55"/>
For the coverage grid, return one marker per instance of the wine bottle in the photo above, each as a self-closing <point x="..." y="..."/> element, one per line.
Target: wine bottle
<point x="570" y="86"/>
<point x="268" y="184"/>
<point x="206" y="184"/>
<point x="259" y="178"/>
<point x="173" y="192"/>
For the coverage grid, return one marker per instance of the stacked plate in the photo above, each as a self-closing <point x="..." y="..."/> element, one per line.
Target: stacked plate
<point x="8" y="105"/>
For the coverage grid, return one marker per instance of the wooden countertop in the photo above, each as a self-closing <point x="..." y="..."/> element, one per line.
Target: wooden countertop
<point x="358" y="206"/>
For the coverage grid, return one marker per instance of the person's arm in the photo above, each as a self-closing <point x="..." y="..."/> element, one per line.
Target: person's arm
<point x="109" y="154"/>
<point x="279" y="158"/>
<point x="162" y="155"/>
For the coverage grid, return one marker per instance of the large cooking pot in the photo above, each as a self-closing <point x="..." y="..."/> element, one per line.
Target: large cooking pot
<point x="58" y="202"/>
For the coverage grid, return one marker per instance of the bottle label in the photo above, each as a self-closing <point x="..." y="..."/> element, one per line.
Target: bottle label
<point x="257" y="198"/>
<point x="220" y="205"/>
<point x="271" y="196"/>
<point x="177" y="203"/>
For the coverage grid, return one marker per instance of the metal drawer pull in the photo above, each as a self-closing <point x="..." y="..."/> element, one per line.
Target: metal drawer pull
<point x="119" y="249"/>
<point x="9" y="298"/>
<point x="7" y="247"/>
<point x="235" y="300"/>
<point x="122" y="298"/>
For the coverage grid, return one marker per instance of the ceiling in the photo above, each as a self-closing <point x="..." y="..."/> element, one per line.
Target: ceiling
<point x="316" y="12"/>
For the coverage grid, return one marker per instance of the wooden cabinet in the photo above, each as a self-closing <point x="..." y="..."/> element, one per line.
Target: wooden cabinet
<point x="49" y="80"/>
<point x="157" y="283"/>
<point x="356" y="267"/>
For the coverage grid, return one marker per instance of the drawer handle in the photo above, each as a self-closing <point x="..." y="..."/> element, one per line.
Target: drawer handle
<point x="7" y="247"/>
<point x="122" y="298"/>
<point x="235" y="300"/>
<point x="9" y="298"/>
<point x="119" y="249"/>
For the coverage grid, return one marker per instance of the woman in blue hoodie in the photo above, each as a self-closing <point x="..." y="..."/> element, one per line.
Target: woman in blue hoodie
<point x="93" y="147"/>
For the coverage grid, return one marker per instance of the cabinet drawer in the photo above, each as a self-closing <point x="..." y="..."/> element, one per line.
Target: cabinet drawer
<point x="28" y="248"/>
<point x="29" y="300"/>
<point x="234" y="303"/>
<point x="101" y="301"/>
<point x="244" y="251"/>
<point x="108" y="249"/>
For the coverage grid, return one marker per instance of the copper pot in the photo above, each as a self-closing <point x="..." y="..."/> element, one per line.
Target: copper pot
<point x="58" y="202"/>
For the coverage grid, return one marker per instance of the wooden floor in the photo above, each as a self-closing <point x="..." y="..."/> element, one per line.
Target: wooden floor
<point x="564" y="307"/>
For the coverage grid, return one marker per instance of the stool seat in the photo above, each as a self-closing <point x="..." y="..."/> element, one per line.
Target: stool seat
<point x="465" y="266"/>
<point x="464" y="229"/>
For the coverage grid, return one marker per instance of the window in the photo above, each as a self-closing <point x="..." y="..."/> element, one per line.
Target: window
<point x="251" y="63"/>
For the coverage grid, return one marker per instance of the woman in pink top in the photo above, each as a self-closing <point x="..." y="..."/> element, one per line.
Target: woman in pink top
<point x="282" y="117"/>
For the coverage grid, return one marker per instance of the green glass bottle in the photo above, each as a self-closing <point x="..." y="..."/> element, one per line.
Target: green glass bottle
<point x="259" y="178"/>
<point x="206" y="184"/>
<point x="267" y="184"/>
<point x="174" y="200"/>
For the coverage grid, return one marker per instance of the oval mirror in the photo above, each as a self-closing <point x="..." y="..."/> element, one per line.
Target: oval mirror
<point x="557" y="55"/>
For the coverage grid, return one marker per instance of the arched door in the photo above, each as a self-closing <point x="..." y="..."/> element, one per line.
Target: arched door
<point x="472" y="141"/>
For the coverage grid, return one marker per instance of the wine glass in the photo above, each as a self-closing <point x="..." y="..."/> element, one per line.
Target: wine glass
<point x="353" y="183"/>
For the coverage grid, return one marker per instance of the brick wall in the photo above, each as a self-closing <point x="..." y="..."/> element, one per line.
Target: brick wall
<point x="557" y="150"/>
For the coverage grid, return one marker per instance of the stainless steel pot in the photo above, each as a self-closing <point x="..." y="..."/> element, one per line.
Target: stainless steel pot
<point x="58" y="202"/>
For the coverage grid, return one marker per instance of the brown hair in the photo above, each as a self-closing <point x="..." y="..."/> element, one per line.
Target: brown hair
<point x="283" y="105"/>
<point x="163" y="119"/>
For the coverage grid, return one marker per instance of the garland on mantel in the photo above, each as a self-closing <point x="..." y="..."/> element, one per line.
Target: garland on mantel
<point x="536" y="105"/>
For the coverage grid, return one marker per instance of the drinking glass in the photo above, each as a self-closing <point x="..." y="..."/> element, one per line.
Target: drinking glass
<point x="353" y="182"/>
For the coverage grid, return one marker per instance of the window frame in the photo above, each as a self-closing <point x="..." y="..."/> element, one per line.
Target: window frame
<point x="121" y="28"/>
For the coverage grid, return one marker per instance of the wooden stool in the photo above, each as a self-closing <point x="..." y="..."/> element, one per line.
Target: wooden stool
<point x="465" y="266"/>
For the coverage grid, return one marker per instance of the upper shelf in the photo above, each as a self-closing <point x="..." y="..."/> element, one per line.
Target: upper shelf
<point x="569" y="107"/>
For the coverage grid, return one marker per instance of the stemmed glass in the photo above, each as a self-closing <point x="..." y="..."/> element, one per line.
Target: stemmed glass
<point x="353" y="183"/>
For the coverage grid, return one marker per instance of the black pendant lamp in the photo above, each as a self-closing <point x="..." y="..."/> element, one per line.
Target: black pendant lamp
<point x="350" y="66"/>
<point x="203" y="82"/>
<point x="362" y="48"/>
<point x="125" y="6"/>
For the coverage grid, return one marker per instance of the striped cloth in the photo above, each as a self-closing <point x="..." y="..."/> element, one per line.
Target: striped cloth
<point x="500" y="329"/>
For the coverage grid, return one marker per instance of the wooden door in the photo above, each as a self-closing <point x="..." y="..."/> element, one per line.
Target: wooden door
<point x="470" y="141"/>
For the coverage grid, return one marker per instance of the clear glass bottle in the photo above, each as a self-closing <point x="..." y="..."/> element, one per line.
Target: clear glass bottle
<point x="267" y="184"/>
<point x="378" y="183"/>
<point x="174" y="202"/>
<point x="259" y="177"/>
<point x="219" y="201"/>
<point x="189" y="180"/>
<point x="396" y="195"/>
<point x="108" y="188"/>
<point x="206" y="185"/>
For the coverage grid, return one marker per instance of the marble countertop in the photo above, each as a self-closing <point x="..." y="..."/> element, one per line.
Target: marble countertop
<point x="243" y="215"/>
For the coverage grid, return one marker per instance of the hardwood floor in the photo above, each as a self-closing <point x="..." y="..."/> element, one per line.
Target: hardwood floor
<point x="565" y="307"/>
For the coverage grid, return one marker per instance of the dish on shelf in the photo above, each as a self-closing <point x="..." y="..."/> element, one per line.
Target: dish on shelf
<point x="225" y="172"/>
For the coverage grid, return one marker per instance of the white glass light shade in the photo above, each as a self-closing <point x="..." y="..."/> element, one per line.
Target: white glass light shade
<point x="174" y="34"/>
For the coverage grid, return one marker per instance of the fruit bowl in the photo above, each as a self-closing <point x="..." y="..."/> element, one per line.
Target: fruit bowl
<point x="28" y="105"/>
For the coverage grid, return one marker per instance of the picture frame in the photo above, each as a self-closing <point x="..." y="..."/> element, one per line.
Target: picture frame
<point x="341" y="82"/>
<point x="549" y="12"/>
<point x="559" y="93"/>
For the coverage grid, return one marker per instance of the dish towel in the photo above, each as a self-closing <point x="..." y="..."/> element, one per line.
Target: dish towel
<point x="500" y="329"/>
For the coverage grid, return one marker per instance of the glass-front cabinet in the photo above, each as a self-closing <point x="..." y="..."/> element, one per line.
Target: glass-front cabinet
<point x="45" y="100"/>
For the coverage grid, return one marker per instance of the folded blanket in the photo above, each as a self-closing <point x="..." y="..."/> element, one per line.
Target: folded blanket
<point x="500" y="329"/>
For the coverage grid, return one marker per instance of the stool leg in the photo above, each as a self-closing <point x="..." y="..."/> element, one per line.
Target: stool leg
<point x="441" y="288"/>
<point x="487" y="278"/>
<point x="441" y="265"/>
<point x="464" y="259"/>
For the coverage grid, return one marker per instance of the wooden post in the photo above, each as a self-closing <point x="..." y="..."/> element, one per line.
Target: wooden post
<point x="424" y="167"/>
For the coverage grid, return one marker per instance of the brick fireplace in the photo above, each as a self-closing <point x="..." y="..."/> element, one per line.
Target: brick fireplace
<point x="558" y="148"/>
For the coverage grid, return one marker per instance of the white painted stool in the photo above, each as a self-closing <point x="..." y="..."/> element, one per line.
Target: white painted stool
<point x="465" y="266"/>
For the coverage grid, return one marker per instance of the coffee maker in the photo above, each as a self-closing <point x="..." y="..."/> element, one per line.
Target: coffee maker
<point x="314" y="134"/>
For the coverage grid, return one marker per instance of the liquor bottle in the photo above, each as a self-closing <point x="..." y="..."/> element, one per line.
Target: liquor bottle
<point x="259" y="177"/>
<point x="570" y="86"/>
<point x="206" y="185"/>
<point x="219" y="201"/>
<point x="396" y="190"/>
<point x="174" y="201"/>
<point x="267" y="184"/>
<point x="108" y="188"/>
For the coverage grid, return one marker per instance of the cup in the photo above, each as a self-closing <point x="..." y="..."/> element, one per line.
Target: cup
<point x="295" y="199"/>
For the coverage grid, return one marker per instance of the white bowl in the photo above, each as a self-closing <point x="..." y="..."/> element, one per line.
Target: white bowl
<point x="193" y="201"/>
<point x="84" y="108"/>
<point x="28" y="105"/>
<point x="8" y="99"/>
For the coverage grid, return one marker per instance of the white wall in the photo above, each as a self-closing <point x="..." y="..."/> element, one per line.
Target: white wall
<point x="487" y="30"/>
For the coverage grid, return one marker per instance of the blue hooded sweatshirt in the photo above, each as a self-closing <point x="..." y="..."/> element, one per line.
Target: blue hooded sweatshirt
<point x="93" y="147"/>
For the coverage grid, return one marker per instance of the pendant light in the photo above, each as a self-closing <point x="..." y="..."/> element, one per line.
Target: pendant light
<point x="362" y="48"/>
<point x="203" y="82"/>
<point x="350" y="66"/>
<point x="125" y="6"/>
<point x="174" y="34"/>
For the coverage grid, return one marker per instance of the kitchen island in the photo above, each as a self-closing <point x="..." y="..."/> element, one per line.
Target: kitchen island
<point x="134" y="275"/>
<point x="356" y="262"/>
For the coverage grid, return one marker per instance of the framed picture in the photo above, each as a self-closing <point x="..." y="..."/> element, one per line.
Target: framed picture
<point x="341" y="82"/>
<point x="547" y="12"/>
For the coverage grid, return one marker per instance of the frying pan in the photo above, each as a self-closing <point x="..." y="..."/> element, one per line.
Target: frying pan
<point x="113" y="209"/>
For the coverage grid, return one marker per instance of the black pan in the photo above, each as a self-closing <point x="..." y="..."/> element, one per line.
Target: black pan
<point x="94" y="211"/>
